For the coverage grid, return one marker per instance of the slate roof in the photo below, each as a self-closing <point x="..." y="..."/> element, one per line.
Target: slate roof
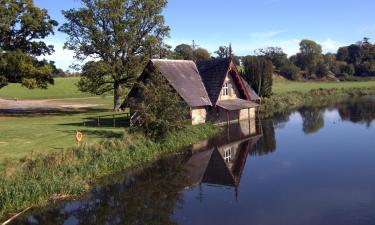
<point x="250" y="90"/>
<point x="213" y="74"/>
<point x="236" y="104"/>
<point x="200" y="83"/>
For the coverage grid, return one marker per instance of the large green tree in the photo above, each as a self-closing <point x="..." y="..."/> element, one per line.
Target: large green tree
<point x="184" y="51"/>
<point x="22" y="28"/>
<point x="201" y="54"/>
<point x="258" y="72"/>
<point x="310" y="56"/>
<point x="119" y="36"/>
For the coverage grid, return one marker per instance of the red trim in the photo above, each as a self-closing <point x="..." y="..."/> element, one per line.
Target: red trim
<point x="232" y="67"/>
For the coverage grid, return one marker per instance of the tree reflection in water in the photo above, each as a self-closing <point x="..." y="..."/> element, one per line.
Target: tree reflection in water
<point x="360" y="111"/>
<point x="313" y="119"/>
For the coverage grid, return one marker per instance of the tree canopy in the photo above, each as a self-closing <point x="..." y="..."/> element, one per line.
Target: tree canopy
<point x="184" y="51"/>
<point x="22" y="28"/>
<point x="258" y="73"/>
<point x="118" y="37"/>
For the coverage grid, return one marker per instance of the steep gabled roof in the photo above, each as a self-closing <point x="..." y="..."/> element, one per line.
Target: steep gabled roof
<point x="183" y="76"/>
<point x="213" y="73"/>
<point x="250" y="90"/>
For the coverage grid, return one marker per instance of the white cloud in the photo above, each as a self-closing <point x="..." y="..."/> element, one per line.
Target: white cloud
<point x="330" y="45"/>
<point x="63" y="58"/>
<point x="268" y="34"/>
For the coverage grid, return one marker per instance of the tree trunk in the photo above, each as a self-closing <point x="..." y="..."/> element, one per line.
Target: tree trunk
<point x="116" y="97"/>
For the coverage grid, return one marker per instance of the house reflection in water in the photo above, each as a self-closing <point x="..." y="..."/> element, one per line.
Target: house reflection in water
<point x="220" y="161"/>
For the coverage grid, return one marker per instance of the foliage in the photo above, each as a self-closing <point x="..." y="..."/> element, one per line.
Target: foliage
<point x="18" y="67"/>
<point x="361" y="56"/>
<point x="280" y="62"/>
<point x="322" y="70"/>
<point x="310" y="57"/>
<point x="290" y="71"/>
<point x="160" y="110"/>
<point x="275" y="55"/>
<point x="184" y="51"/>
<point x="201" y="54"/>
<point x="121" y="35"/>
<point x="22" y="28"/>
<point x="258" y="72"/>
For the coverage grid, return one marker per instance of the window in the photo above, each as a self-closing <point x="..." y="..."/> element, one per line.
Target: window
<point x="228" y="155"/>
<point x="225" y="89"/>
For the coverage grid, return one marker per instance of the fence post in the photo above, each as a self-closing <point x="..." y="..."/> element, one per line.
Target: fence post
<point x="114" y="120"/>
<point x="98" y="121"/>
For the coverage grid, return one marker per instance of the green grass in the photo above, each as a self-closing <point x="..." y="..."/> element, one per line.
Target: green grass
<point x="72" y="172"/>
<point x="282" y="87"/>
<point x="63" y="88"/>
<point x="23" y="136"/>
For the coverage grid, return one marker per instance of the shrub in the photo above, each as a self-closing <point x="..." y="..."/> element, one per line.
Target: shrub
<point x="290" y="71"/>
<point x="158" y="109"/>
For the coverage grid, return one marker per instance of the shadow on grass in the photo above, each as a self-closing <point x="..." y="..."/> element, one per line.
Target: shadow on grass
<point x="102" y="122"/>
<point x="37" y="112"/>
<point x="98" y="133"/>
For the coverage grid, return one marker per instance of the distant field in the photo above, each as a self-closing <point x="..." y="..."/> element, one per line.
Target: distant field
<point x="281" y="87"/>
<point x="63" y="88"/>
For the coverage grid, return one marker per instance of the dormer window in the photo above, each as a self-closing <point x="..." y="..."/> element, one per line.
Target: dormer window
<point x="228" y="155"/>
<point x="225" y="89"/>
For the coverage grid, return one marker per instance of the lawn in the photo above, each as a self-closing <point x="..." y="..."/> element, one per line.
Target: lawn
<point x="281" y="87"/>
<point x="24" y="135"/>
<point x="31" y="134"/>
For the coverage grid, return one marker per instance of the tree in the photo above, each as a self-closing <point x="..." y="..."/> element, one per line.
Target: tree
<point x="22" y="28"/>
<point x="290" y="71"/>
<point x="120" y="35"/>
<point x="184" y="51"/>
<point x="310" y="56"/>
<point x="161" y="110"/>
<point x="201" y="54"/>
<point x="223" y="52"/>
<point x="258" y="72"/>
<point x="275" y="55"/>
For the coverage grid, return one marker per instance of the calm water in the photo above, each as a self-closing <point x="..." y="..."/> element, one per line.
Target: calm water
<point x="312" y="166"/>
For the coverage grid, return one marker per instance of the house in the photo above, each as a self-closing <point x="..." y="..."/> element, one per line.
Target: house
<point x="221" y="161"/>
<point x="213" y="89"/>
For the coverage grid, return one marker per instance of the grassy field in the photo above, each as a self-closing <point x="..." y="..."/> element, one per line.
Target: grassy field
<point x="63" y="88"/>
<point x="282" y="87"/>
<point x="24" y="135"/>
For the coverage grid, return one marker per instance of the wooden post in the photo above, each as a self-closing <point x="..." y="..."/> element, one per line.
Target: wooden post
<point x="114" y="120"/>
<point x="98" y="121"/>
<point x="228" y="122"/>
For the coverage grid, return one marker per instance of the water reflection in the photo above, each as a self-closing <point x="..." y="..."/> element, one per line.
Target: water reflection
<point x="221" y="160"/>
<point x="151" y="196"/>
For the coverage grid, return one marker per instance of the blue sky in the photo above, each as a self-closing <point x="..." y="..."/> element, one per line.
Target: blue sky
<point x="249" y="24"/>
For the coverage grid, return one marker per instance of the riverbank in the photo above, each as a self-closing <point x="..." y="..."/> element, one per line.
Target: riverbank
<point x="280" y="103"/>
<point x="37" y="180"/>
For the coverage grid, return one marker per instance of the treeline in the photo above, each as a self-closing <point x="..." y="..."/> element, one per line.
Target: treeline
<point x="356" y="60"/>
<point x="310" y="63"/>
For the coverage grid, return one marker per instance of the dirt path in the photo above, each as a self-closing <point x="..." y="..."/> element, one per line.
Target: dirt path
<point x="9" y="106"/>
